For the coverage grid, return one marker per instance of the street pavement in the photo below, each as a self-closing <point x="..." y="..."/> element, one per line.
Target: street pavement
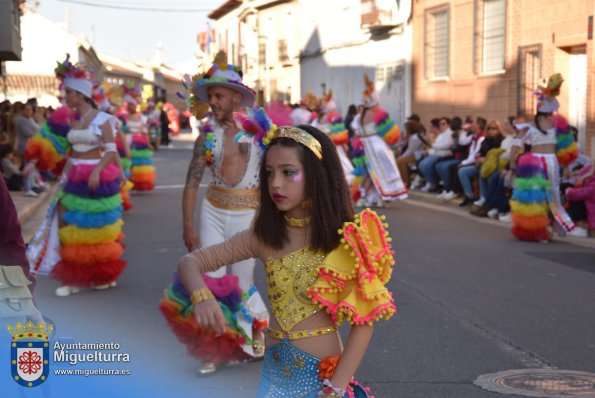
<point x="471" y="300"/>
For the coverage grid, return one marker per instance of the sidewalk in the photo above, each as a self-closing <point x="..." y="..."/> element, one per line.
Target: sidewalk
<point x="431" y="201"/>
<point x="27" y="206"/>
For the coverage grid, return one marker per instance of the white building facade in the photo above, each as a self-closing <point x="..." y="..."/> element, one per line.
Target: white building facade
<point x="44" y="43"/>
<point x="344" y="39"/>
<point x="287" y="47"/>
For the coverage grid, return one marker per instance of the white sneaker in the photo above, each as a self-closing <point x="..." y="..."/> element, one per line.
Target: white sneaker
<point x="66" y="290"/>
<point x="427" y="187"/>
<point x="380" y="203"/>
<point x="416" y="182"/>
<point x="442" y="195"/>
<point x="31" y="194"/>
<point x="493" y="213"/>
<point x="362" y="203"/>
<point x="479" y="202"/>
<point x="579" y="232"/>
<point x="450" y="195"/>
<point x="504" y="217"/>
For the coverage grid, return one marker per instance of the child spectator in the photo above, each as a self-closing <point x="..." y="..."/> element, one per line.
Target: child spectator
<point x="10" y="170"/>
<point x="584" y="192"/>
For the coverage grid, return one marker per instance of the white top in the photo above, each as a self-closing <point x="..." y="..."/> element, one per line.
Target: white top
<point x="443" y="144"/>
<point x="473" y="150"/>
<point x="506" y="144"/>
<point x="137" y="126"/>
<point x="88" y="139"/>
<point x="250" y="177"/>
<point x="535" y="137"/>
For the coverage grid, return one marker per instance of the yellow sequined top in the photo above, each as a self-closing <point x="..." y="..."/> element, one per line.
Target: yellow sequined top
<point x="349" y="283"/>
<point x="289" y="279"/>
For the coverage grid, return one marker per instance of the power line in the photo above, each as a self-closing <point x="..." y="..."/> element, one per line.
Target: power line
<point x="131" y="8"/>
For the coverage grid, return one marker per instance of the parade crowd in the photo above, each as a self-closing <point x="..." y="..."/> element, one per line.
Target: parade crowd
<point x="285" y="182"/>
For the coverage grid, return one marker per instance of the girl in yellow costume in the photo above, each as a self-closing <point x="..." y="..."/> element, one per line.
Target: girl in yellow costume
<point x="316" y="277"/>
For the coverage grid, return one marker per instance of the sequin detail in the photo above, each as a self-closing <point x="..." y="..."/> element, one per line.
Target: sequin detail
<point x="288" y="372"/>
<point x="288" y="280"/>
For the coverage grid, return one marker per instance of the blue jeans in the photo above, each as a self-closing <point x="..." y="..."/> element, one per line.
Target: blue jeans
<point x="466" y="175"/>
<point x="496" y="197"/>
<point x="426" y="167"/>
<point x="444" y="169"/>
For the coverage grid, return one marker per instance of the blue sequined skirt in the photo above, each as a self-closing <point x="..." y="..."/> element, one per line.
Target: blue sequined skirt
<point x="289" y="372"/>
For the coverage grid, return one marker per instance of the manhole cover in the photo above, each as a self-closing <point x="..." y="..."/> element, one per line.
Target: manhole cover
<point x="550" y="383"/>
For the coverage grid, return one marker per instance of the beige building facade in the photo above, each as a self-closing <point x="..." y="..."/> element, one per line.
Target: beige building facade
<point x="486" y="57"/>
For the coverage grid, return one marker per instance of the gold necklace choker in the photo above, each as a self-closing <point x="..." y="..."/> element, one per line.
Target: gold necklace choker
<point x="297" y="222"/>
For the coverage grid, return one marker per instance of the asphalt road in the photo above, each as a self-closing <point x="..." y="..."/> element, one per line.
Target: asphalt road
<point x="472" y="300"/>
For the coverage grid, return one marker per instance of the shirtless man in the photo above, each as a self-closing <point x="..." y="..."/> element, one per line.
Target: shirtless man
<point x="231" y="198"/>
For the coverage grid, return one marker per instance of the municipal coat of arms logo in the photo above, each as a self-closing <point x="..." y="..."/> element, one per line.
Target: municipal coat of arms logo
<point x="30" y="353"/>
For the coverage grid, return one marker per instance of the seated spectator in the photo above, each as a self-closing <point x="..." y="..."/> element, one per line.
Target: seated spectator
<point x="10" y="170"/>
<point x="413" y="151"/>
<point x="446" y="168"/>
<point x="440" y="150"/>
<point x="492" y="174"/>
<point x="581" y="200"/>
<point x="467" y="169"/>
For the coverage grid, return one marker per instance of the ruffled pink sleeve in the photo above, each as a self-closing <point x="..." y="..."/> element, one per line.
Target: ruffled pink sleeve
<point x="352" y="279"/>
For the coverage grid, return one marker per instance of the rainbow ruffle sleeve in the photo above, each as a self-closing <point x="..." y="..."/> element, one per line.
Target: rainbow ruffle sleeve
<point x="352" y="280"/>
<point x="337" y="130"/>
<point x="386" y="127"/>
<point x="566" y="146"/>
<point x="49" y="145"/>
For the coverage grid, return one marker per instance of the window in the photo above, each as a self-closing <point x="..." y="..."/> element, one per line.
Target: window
<point x="283" y="57"/>
<point x="436" y="43"/>
<point x="529" y="74"/>
<point x="262" y="54"/>
<point x="490" y="35"/>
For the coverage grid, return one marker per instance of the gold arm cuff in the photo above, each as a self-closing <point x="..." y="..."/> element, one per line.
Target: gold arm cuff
<point x="299" y="334"/>
<point x="200" y="295"/>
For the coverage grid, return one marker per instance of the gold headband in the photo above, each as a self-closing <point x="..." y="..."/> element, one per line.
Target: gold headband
<point x="302" y="137"/>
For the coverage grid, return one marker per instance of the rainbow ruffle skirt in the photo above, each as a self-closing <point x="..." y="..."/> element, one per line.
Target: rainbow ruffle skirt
<point x="90" y="238"/>
<point x="202" y="343"/>
<point x="528" y="204"/>
<point x="142" y="169"/>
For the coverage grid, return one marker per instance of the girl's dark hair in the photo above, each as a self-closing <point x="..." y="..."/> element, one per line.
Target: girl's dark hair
<point x="435" y="123"/>
<point x="91" y="102"/>
<point x="538" y="115"/>
<point x="352" y="110"/>
<point x="325" y="187"/>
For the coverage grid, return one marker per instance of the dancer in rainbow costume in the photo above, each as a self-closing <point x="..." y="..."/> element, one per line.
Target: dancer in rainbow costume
<point x="229" y="207"/>
<point x="537" y="183"/>
<point x="377" y="178"/>
<point x="329" y="121"/>
<point x="79" y="242"/>
<point x="142" y="169"/>
<point x="103" y="94"/>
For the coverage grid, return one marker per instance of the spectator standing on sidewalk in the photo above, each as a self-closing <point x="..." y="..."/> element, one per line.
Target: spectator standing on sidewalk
<point x="25" y="128"/>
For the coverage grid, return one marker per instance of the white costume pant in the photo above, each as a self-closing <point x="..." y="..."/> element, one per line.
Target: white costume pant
<point x="218" y="225"/>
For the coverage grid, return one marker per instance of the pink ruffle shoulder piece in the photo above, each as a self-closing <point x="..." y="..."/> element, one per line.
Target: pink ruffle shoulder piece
<point x="352" y="280"/>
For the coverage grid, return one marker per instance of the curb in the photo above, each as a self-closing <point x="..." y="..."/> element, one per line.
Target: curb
<point x="26" y="212"/>
<point x="430" y="201"/>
